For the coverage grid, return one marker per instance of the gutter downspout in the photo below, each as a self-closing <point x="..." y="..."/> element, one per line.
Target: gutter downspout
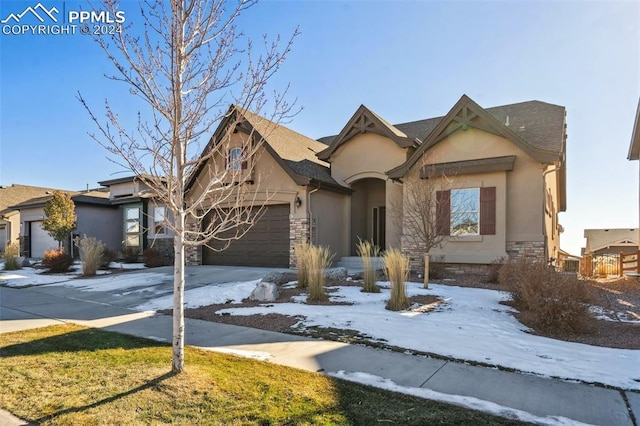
<point x="544" y="206"/>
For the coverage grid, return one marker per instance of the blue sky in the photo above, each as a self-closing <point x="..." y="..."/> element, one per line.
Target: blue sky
<point x="405" y="60"/>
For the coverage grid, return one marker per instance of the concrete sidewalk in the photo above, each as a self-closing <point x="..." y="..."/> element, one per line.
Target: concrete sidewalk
<point x="26" y="308"/>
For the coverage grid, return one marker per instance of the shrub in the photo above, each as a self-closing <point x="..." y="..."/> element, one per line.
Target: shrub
<point x="57" y="260"/>
<point x="557" y="302"/>
<point x="302" y="251"/>
<point x="317" y="260"/>
<point x="396" y="266"/>
<point x="366" y="251"/>
<point x="91" y="250"/>
<point x="494" y="270"/>
<point x="108" y="256"/>
<point x="11" y="258"/>
<point x="130" y="254"/>
<point x="153" y="258"/>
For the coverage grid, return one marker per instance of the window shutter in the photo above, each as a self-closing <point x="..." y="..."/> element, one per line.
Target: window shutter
<point x="443" y="212"/>
<point x="488" y="211"/>
<point x="226" y="159"/>
<point x="243" y="165"/>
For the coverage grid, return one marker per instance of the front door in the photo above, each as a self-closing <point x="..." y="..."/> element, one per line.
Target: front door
<point x="379" y="227"/>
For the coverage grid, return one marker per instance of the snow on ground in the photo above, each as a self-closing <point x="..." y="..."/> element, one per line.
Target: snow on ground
<point x="31" y="277"/>
<point x="472" y="325"/>
<point x="120" y="265"/>
<point x="463" y="401"/>
<point x="222" y="293"/>
<point x="121" y="282"/>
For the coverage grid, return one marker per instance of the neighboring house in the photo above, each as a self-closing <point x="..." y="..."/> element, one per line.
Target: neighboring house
<point x="9" y="217"/>
<point x="610" y="241"/>
<point x="601" y="254"/>
<point x="141" y="218"/>
<point x="95" y="216"/>
<point x="634" y="147"/>
<point x="508" y="162"/>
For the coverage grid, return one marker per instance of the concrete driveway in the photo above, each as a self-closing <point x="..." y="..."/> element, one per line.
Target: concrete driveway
<point x="151" y="283"/>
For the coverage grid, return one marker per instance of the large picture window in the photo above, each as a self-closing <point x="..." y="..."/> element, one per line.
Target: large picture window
<point x="465" y="212"/>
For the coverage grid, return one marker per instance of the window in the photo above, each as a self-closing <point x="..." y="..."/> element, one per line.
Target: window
<point x="465" y="212"/>
<point x="235" y="156"/>
<point x="159" y="225"/>
<point x="469" y="211"/>
<point x="132" y="226"/>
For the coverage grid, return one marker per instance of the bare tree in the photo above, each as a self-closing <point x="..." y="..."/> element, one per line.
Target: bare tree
<point x="429" y="214"/>
<point x="184" y="60"/>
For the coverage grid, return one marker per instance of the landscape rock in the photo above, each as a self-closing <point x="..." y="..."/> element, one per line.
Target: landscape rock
<point x="280" y="278"/>
<point x="336" y="274"/>
<point x="265" y="292"/>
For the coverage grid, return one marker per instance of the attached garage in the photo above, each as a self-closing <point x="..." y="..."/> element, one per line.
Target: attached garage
<point x="265" y="244"/>
<point x="41" y="241"/>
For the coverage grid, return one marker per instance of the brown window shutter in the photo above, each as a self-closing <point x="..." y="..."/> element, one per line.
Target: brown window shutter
<point x="226" y="159"/>
<point x="443" y="212"/>
<point x="488" y="211"/>
<point x="244" y="164"/>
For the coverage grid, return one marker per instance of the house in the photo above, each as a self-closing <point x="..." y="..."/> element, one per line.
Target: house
<point x="601" y="255"/>
<point x="634" y="146"/>
<point x="141" y="217"/>
<point x="9" y="217"/>
<point x="95" y="217"/>
<point x="507" y="162"/>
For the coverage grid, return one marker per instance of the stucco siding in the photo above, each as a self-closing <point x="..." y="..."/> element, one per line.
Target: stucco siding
<point x="330" y="215"/>
<point x="103" y="223"/>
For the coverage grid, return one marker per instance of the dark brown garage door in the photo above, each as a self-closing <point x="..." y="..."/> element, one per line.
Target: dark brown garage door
<point x="266" y="243"/>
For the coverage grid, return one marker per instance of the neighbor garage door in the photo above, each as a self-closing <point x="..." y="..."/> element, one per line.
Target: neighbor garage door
<point x="266" y="243"/>
<point x="40" y="240"/>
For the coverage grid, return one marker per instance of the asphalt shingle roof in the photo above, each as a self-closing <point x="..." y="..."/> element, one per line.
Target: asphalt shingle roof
<point x="540" y="124"/>
<point x="16" y="194"/>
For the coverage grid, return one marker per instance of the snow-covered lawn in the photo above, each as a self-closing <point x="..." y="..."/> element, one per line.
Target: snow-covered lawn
<point x="471" y="325"/>
<point x="29" y="276"/>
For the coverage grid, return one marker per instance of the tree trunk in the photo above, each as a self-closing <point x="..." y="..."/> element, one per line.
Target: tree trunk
<point x="177" y="364"/>
<point x="426" y="270"/>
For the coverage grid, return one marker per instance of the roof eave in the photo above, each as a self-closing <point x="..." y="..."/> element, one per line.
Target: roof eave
<point x="634" y="146"/>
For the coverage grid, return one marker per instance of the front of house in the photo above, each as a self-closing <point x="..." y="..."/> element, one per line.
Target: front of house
<point x="507" y="163"/>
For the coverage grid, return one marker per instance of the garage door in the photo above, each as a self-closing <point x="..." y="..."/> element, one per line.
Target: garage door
<point x="266" y="243"/>
<point x="40" y="240"/>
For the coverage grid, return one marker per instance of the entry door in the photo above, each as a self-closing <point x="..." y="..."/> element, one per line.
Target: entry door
<point x="379" y="227"/>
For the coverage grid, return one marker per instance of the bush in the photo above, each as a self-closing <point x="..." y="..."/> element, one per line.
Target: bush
<point x="494" y="271"/>
<point x="11" y="254"/>
<point x="302" y="251"/>
<point x="91" y="251"/>
<point x="57" y="260"/>
<point x="317" y="260"/>
<point x="396" y="266"/>
<point x="366" y="251"/>
<point x="153" y="258"/>
<point x="557" y="302"/>
<point x="108" y="256"/>
<point x="130" y="254"/>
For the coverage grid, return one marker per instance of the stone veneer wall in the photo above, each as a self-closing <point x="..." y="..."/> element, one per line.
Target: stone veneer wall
<point x="298" y="233"/>
<point x="193" y="254"/>
<point x="526" y="250"/>
<point x="414" y="249"/>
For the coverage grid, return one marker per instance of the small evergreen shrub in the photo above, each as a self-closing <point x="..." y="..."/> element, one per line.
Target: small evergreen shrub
<point x="91" y="251"/>
<point x="108" y="256"/>
<point x="318" y="259"/>
<point x="366" y="251"/>
<point x="153" y="258"/>
<point x="302" y="251"/>
<point x="130" y="254"/>
<point x="57" y="260"/>
<point x="396" y="266"/>
<point x="11" y="254"/>
<point x="557" y="302"/>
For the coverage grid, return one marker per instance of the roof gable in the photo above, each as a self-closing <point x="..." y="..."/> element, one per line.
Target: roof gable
<point x="602" y="238"/>
<point x="468" y="114"/>
<point x="295" y="153"/>
<point x="366" y="121"/>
